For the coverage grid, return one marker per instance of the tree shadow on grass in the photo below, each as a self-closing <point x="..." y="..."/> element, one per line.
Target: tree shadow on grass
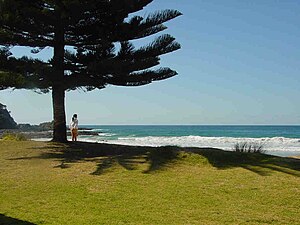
<point x="153" y="159"/>
<point x="261" y="164"/>
<point x="5" y="220"/>
<point x="107" y="156"/>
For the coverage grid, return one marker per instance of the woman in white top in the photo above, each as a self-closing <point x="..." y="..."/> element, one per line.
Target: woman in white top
<point x="74" y="127"/>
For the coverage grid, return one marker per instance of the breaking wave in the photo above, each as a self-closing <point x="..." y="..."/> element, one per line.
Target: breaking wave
<point x="226" y="143"/>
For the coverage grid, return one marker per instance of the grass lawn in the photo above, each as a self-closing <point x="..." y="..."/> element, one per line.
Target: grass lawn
<point x="88" y="183"/>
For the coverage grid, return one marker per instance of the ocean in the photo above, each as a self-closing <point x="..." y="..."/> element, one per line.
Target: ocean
<point x="277" y="140"/>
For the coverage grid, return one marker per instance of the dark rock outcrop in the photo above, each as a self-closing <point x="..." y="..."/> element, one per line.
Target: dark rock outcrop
<point x="43" y="130"/>
<point x="6" y="121"/>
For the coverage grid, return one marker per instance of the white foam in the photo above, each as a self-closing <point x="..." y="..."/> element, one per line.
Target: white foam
<point x="226" y="143"/>
<point x="106" y="134"/>
<point x="40" y="139"/>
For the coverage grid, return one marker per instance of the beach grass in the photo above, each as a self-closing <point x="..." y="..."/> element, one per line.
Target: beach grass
<point x="90" y="183"/>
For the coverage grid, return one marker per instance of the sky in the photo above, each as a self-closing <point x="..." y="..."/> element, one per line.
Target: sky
<point x="239" y="64"/>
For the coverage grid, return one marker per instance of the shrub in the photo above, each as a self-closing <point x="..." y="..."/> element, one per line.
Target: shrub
<point x="249" y="147"/>
<point x="13" y="137"/>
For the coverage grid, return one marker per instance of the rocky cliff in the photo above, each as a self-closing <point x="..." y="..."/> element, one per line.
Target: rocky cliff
<point x="6" y="121"/>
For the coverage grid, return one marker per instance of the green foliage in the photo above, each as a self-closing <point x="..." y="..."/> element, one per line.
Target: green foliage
<point x="22" y="72"/>
<point x="93" y="30"/>
<point x="249" y="147"/>
<point x="8" y="136"/>
<point x="11" y="80"/>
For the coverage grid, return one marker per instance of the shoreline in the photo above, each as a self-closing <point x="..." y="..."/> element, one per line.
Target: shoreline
<point x="272" y="146"/>
<point x="38" y="134"/>
<point x="279" y="153"/>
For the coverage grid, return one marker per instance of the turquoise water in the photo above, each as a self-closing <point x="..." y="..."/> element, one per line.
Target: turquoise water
<point x="201" y="130"/>
<point x="277" y="140"/>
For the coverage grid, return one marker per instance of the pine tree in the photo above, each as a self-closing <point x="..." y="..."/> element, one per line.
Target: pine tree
<point x="99" y="34"/>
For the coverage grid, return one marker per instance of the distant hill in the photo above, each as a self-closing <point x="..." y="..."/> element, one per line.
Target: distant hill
<point x="46" y="126"/>
<point x="6" y="121"/>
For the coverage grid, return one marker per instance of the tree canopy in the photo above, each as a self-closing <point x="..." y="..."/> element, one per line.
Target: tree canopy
<point x="93" y="29"/>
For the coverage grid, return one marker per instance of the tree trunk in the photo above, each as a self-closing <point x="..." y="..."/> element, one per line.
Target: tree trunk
<point x="59" y="115"/>
<point x="58" y="90"/>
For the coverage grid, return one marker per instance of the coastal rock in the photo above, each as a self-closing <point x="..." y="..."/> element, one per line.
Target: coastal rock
<point x="37" y="134"/>
<point x="43" y="130"/>
<point x="85" y="132"/>
<point x="6" y="121"/>
<point x="48" y="134"/>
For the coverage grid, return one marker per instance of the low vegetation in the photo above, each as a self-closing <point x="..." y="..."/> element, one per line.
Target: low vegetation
<point x="89" y="183"/>
<point x="249" y="147"/>
<point x="8" y="136"/>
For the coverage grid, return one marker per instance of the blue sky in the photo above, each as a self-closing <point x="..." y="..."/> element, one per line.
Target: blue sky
<point x="239" y="64"/>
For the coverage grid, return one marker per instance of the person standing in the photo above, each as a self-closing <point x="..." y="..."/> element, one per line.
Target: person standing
<point x="74" y="127"/>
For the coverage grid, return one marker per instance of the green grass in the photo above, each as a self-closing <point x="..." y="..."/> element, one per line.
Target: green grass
<point x="86" y="183"/>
